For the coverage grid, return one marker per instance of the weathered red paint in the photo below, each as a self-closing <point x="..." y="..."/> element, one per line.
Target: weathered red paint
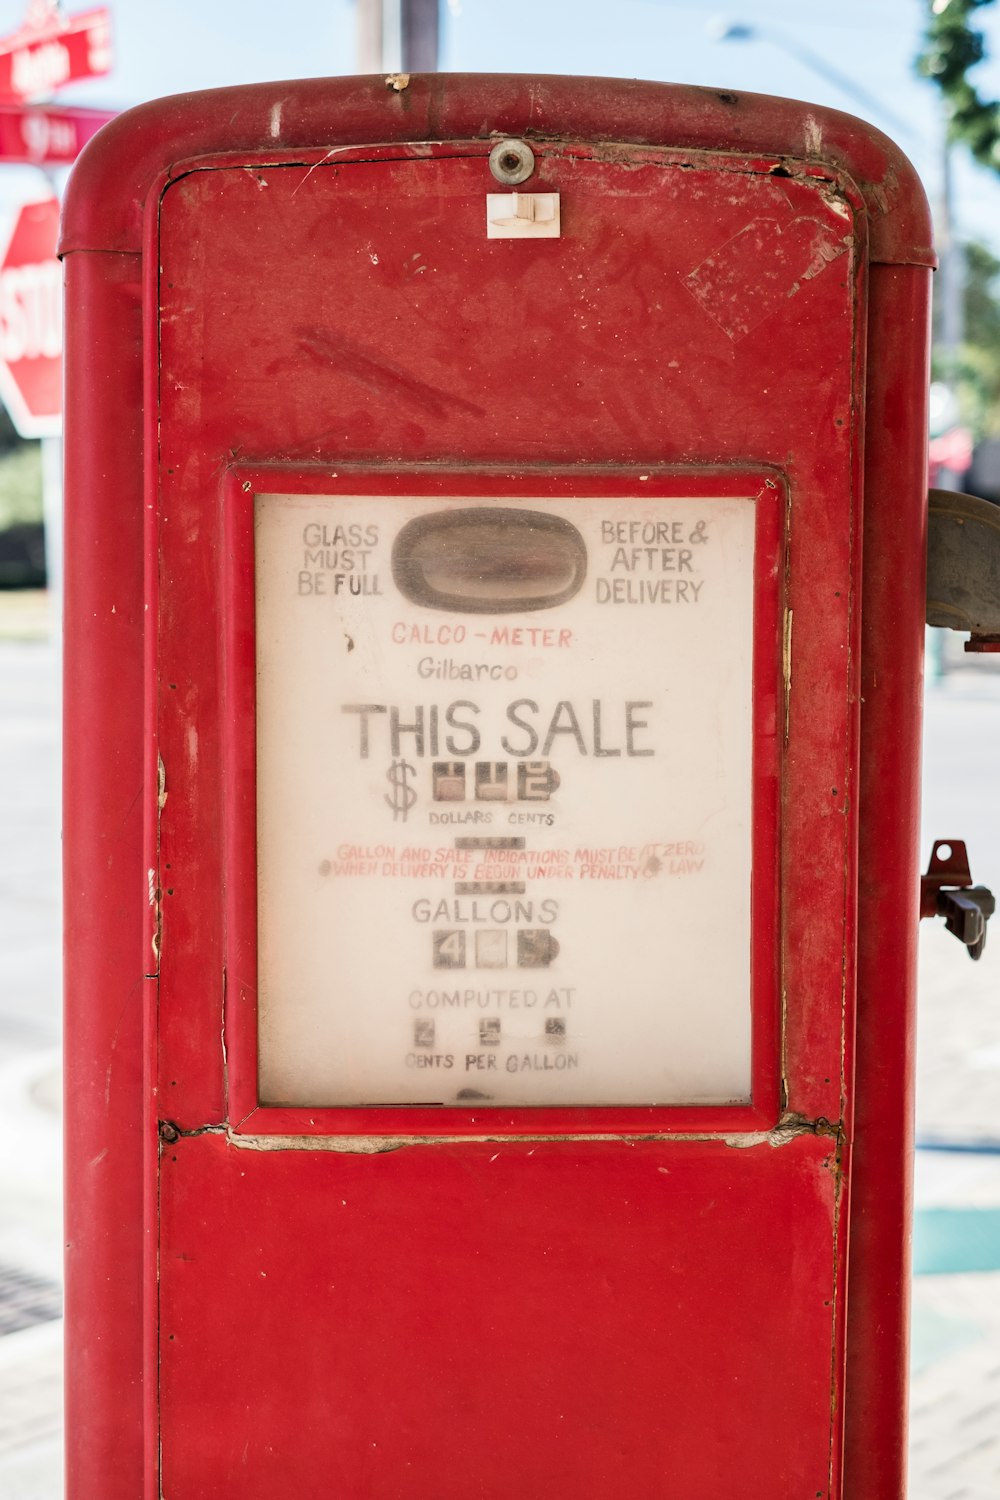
<point x="528" y="1309"/>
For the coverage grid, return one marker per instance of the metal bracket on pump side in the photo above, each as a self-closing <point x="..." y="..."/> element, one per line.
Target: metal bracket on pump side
<point x="947" y="891"/>
<point x="963" y="567"/>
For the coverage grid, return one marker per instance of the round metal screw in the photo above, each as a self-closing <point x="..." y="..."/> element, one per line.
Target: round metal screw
<point x="512" y="162"/>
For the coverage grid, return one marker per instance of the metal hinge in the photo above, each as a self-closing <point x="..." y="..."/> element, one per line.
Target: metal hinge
<point x="947" y="891"/>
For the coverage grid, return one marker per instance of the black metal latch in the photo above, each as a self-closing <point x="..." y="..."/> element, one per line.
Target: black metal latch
<point x="947" y="891"/>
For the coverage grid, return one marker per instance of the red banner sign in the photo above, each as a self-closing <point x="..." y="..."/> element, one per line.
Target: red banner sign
<point x="50" y="51"/>
<point x="39" y="136"/>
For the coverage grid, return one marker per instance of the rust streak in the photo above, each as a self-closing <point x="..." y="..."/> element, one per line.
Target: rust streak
<point x="381" y="374"/>
<point x="788" y="1128"/>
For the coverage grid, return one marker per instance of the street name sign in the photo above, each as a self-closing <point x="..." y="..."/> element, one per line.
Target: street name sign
<point x="38" y="135"/>
<point x="50" y="50"/>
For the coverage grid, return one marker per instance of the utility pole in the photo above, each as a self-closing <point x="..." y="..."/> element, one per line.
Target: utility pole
<point x="951" y="283"/>
<point x="398" y="36"/>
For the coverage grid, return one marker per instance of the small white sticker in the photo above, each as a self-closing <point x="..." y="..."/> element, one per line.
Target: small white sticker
<point x="516" y="216"/>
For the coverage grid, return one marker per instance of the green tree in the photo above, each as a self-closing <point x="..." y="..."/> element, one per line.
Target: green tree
<point x="952" y="46"/>
<point x="977" y="376"/>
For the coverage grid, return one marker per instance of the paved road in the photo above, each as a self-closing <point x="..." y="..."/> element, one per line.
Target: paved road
<point x="956" y="1382"/>
<point x="29" y="849"/>
<point x="30" y="1004"/>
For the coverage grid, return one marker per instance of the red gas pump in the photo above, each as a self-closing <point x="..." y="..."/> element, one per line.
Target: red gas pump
<point x="496" y="523"/>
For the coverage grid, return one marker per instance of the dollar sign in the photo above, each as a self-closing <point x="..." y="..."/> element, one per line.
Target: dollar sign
<point x="403" y="795"/>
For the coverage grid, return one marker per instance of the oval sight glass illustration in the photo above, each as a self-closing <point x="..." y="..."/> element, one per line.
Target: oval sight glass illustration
<point x="479" y="561"/>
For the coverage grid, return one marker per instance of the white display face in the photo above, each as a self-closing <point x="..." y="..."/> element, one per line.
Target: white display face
<point x="504" y="842"/>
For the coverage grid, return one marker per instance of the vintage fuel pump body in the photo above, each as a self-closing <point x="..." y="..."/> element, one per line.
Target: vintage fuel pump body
<point x="494" y="622"/>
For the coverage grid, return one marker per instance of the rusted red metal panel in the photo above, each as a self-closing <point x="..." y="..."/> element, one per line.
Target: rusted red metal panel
<point x="114" y="178"/>
<point x="324" y="318"/>
<point x="561" y="1320"/>
<point x="421" y="395"/>
<point x="106" y="1048"/>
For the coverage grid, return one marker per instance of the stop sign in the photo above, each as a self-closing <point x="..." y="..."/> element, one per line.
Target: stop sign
<point x="31" y="322"/>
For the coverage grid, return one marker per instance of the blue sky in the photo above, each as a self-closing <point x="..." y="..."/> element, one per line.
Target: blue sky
<point x="171" y="46"/>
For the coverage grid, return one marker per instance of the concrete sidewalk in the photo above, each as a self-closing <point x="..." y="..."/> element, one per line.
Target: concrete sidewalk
<point x="30" y="1278"/>
<point x="955" y="1451"/>
<point x="955" y="1363"/>
<point x="955" y="1391"/>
